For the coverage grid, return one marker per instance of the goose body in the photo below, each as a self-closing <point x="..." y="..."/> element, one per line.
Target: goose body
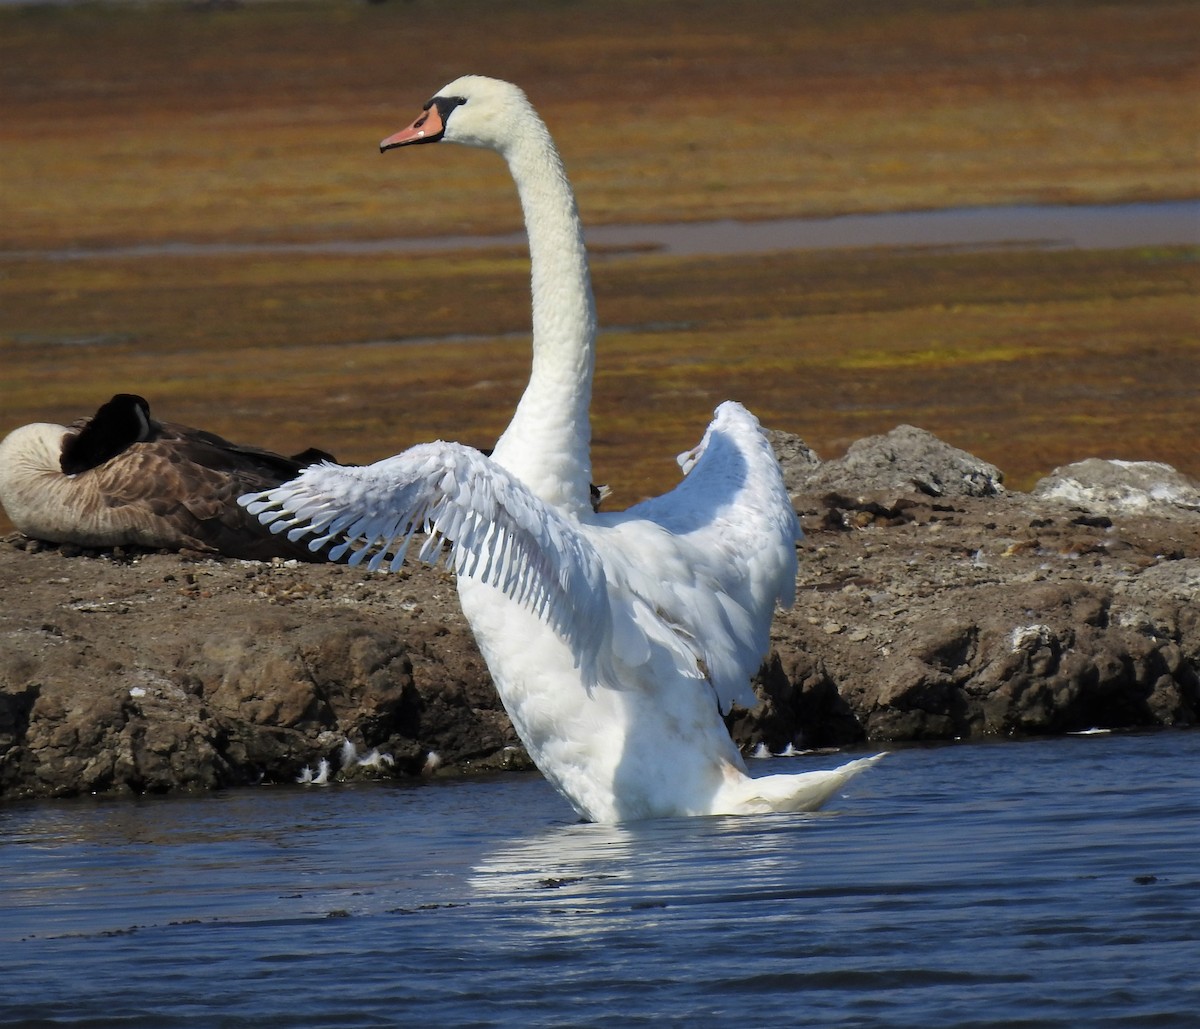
<point x="121" y="478"/>
<point x="615" y="640"/>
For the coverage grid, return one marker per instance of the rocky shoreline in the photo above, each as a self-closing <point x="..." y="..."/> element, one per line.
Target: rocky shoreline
<point x="931" y="605"/>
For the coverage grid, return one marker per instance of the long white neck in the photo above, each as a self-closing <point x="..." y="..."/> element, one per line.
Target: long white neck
<point x="547" y="444"/>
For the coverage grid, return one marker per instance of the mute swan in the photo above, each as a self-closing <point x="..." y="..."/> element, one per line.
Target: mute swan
<point x="123" y="478"/>
<point x="615" y="640"/>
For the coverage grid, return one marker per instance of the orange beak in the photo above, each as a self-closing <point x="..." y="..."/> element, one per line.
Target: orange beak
<point x="426" y="129"/>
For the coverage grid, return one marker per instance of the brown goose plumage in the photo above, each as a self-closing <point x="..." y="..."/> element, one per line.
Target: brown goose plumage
<point x="122" y="478"/>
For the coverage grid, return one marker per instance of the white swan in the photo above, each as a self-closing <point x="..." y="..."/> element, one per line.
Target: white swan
<point x="615" y="640"/>
<point x="121" y="478"/>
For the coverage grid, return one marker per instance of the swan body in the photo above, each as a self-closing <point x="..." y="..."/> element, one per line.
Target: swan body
<point x="121" y="478"/>
<point x="615" y="640"/>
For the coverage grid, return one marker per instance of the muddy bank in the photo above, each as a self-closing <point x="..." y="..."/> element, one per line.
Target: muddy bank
<point x="931" y="604"/>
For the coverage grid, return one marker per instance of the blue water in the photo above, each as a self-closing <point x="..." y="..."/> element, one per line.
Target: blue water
<point x="1037" y="226"/>
<point x="1047" y="883"/>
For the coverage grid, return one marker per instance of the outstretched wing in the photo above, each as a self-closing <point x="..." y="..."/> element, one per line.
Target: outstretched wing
<point x="719" y="551"/>
<point x="488" y="523"/>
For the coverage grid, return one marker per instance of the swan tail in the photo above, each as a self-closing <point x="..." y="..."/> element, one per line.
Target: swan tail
<point x="787" y="793"/>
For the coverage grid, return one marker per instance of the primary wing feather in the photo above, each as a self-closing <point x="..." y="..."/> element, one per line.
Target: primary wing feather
<point x="483" y="521"/>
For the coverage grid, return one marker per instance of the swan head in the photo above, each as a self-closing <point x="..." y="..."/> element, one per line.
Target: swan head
<point x="472" y="110"/>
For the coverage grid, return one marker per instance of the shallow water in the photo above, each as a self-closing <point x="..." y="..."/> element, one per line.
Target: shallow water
<point x="1048" y="883"/>
<point x="1039" y="226"/>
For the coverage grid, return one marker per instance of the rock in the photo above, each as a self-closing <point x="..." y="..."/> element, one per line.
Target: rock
<point x="967" y="636"/>
<point x="246" y="673"/>
<point x="1122" y="487"/>
<point x="796" y="458"/>
<point x="904" y="460"/>
<point x="974" y="613"/>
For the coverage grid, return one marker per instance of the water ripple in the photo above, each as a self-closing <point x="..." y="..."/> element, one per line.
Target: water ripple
<point x="1044" y="884"/>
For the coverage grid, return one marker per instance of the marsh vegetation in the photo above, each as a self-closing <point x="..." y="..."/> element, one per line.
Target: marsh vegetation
<point x="152" y="124"/>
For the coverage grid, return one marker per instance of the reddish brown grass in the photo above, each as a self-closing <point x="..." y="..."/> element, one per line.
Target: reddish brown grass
<point x="150" y="124"/>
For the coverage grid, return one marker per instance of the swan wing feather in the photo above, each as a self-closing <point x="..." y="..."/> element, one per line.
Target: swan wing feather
<point x="724" y="551"/>
<point x="478" y="517"/>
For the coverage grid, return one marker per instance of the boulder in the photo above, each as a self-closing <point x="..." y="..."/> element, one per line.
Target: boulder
<point x="1122" y="487"/>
